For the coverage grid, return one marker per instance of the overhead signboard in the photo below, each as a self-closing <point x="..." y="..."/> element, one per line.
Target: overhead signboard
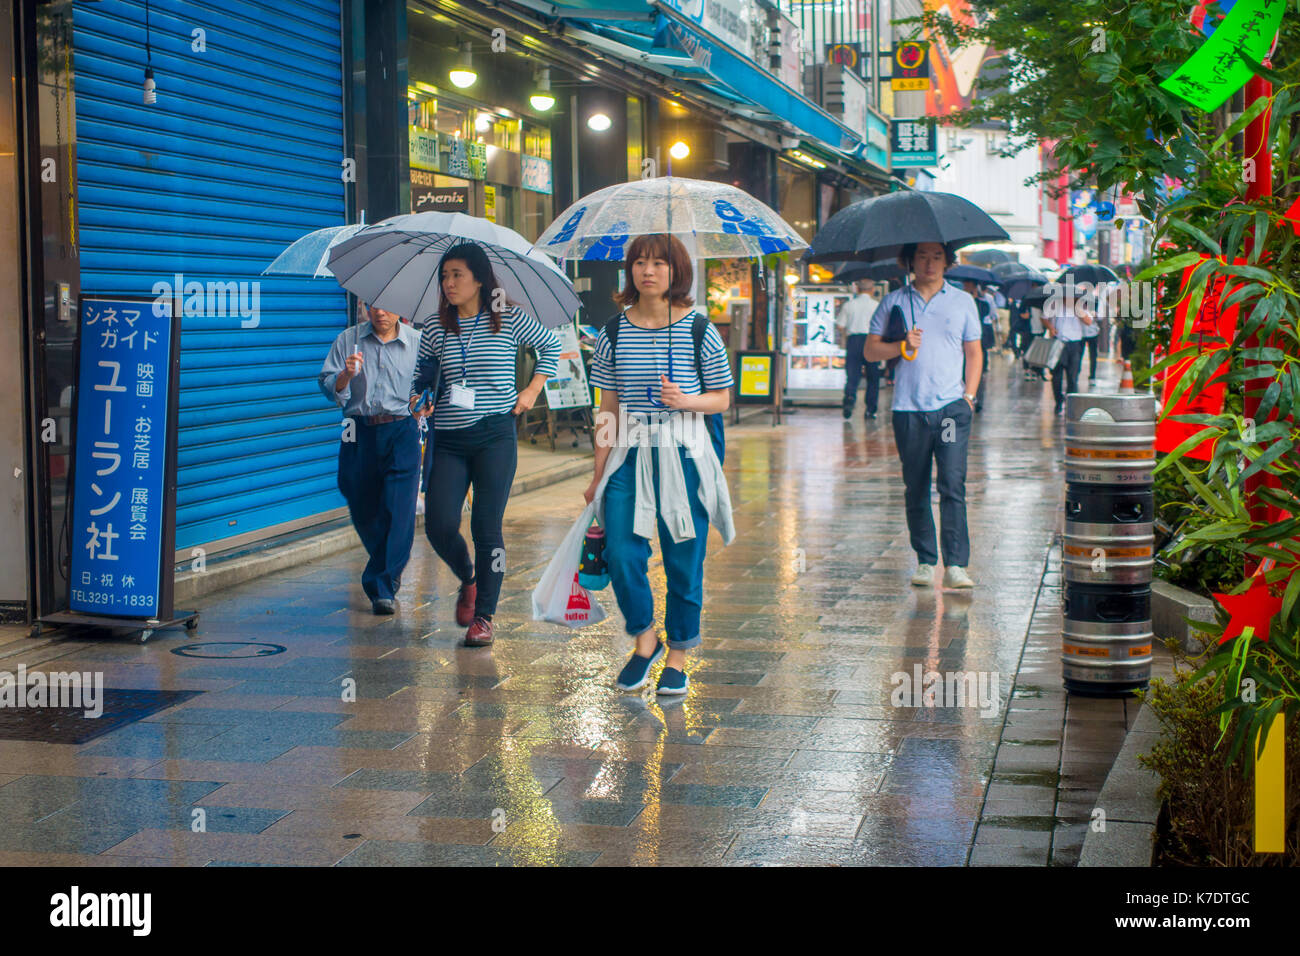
<point x="913" y="143"/>
<point x="911" y="67"/>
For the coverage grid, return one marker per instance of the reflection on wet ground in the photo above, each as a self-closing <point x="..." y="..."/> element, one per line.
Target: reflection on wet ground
<point x="795" y="745"/>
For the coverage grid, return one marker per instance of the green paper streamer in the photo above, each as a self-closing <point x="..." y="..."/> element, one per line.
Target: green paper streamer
<point x="1216" y="71"/>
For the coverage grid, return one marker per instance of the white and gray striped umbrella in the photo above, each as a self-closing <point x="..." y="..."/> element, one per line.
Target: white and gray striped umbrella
<point x="393" y="265"/>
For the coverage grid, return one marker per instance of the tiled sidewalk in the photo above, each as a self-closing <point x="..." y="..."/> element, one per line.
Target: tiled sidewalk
<point x="789" y="748"/>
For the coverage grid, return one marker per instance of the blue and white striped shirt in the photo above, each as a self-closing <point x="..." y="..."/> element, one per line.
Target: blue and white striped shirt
<point x="481" y="360"/>
<point x="642" y="355"/>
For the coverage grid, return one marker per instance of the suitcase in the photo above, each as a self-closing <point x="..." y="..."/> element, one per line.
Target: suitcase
<point x="1044" y="353"/>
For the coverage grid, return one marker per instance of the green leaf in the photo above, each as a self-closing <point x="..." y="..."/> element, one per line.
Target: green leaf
<point x="1242" y="121"/>
<point x="1197" y="234"/>
<point x="1168" y="265"/>
<point x="1264" y="460"/>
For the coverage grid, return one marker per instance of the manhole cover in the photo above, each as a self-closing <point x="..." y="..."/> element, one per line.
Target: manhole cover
<point x="228" y="649"/>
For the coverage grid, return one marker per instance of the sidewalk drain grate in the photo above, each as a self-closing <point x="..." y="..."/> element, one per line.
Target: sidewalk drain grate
<point x="70" y="725"/>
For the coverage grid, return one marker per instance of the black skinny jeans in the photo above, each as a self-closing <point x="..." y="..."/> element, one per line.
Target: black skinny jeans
<point x="483" y="455"/>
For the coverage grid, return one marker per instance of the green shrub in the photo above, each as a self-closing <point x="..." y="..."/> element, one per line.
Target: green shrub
<point x="1210" y="802"/>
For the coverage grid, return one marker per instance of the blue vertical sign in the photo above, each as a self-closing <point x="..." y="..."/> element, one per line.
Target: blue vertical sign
<point x="120" y="468"/>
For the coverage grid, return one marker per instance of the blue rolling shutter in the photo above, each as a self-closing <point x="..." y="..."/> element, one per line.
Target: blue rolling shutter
<point x="239" y="156"/>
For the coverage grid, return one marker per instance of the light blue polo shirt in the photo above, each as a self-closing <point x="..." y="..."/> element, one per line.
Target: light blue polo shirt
<point x="935" y="378"/>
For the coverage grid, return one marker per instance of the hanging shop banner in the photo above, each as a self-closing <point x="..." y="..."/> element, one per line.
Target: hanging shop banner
<point x="567" y="388"/>
<point x="124" y="466"/>
<point x="912" y="143"/>
<point x="1211" y="324"/>
<point x="911" y="67"/>
<point x="756" y="378"/>
<point x="423" y="149"/>
<point x="1216" y="70"/>
<point x="535" y="174"/>
<point x="464" y="159"/>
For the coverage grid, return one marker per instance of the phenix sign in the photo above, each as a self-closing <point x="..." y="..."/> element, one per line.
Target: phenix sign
<point x="82" y="691"/>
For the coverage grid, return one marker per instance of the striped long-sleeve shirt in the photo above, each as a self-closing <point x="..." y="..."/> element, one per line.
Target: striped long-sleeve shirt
<point x="481" y="360"/>
<point x="642" y="355"/>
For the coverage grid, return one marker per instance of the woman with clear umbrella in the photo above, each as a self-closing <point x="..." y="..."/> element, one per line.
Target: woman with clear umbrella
<point x="648" y="363"/>
<point x="471" y="347"/>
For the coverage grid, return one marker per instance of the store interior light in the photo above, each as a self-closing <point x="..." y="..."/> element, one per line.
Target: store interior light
<point x="542" y="100"/>
<point x="599" y="122"/>
<point x="792" y="278"/>
<point x="462" y="75"/>
<point x="483" y="122"/>
<point x="679" y="150"/>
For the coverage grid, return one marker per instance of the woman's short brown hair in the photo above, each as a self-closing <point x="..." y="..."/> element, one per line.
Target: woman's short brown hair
<point x="671" y="250"/>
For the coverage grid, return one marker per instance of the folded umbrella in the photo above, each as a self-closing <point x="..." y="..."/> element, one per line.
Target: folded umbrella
<point x="879" y="227"/>
<point x="393" y="265"/>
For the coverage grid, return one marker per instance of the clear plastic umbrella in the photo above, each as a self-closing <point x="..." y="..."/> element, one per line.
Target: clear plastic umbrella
<point x="309" y="255"/>
<point x="393" y="265"/>
<point x="712" y="220"/>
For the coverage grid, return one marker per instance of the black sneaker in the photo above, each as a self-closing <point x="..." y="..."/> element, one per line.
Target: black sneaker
<point x="383" y="606"/>
<point x="848" y="412"/>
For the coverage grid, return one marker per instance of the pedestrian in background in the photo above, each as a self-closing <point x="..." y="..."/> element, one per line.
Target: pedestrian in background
<point x="671" y="482"/>
<point x="367" y="373"/>
<point x="1067" y="320"/>
<point x="1092" y="330"/>
<point x="933" y="406"/>
<point x="474" y="341"/>
<point x="987" y="309"/>
<point x="854" y="319"/>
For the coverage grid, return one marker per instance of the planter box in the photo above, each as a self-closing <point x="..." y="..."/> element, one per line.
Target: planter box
<point x="1171" y="606"/>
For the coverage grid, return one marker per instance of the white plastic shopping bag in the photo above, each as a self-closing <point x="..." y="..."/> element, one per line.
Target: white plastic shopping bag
<point x="559" y="597"/>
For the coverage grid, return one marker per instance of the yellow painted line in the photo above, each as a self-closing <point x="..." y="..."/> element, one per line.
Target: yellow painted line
<point x="1270" y="791"/>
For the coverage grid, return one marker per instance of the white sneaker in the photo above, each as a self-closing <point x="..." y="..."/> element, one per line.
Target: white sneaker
<point x="924" y="576"/>
<point x="955" y="577"/>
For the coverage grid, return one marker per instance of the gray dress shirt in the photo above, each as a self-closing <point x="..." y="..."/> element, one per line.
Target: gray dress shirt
<point x="383" y="386"/>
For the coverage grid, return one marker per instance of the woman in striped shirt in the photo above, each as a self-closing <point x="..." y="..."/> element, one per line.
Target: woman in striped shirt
<point x="474" y="342"/>
<point x="650" y="370"/>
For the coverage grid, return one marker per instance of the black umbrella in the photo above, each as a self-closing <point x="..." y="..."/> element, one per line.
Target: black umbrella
<point x="887" y="271"/>
<point x="1088" y="272"/>
<point x="990" y="257"/>
<point x="1016" y="280"/>
<point x="878" y="228"/>
<point x="965" y="273"/>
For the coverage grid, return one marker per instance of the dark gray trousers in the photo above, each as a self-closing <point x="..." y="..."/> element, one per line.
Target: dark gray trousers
<point x="938" y="440"/>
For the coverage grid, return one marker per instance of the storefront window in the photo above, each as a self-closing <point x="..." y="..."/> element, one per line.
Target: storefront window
<point x="797" y="189"/>
<point x="537" y="141"/>
<point x="635" y="137"/>
<point x="730" y="298"/>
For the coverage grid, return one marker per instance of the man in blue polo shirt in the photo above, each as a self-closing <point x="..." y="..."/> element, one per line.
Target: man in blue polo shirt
<point x="933" y="406"/>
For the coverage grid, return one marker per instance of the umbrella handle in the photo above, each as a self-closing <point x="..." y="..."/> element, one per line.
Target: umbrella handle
<point x="902" y="348"/>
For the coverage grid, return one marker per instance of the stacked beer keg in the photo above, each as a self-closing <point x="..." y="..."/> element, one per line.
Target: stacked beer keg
<point x="1109" y="542"/>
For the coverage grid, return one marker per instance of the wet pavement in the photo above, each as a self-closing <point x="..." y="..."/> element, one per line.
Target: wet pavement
<point x="793" y="745"/>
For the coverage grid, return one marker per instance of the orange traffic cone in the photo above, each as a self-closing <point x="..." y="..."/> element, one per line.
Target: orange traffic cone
<point x="1126" y="381"/>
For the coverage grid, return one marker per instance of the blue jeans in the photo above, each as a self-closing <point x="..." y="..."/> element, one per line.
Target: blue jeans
<point x="379" y="476"/>
<point x="628" y="556"/>
<point x="937" y="440"/>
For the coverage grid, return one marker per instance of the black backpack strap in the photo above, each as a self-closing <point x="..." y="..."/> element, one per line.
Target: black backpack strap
<point x="611" y="333"/>
<point x="699" y="328"/>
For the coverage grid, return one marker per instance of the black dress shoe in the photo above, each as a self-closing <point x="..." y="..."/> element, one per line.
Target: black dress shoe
<point x="848" y="412"/>
<point x="383" y="606"/>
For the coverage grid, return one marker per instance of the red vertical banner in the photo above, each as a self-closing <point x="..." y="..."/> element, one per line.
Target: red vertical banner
<point x="1211" y="328"/>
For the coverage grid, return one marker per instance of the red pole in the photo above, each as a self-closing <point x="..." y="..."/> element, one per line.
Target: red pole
<point x="1256" y="148"/>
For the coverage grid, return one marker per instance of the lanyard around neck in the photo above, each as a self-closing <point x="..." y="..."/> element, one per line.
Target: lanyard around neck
<point x="464" y="349"/>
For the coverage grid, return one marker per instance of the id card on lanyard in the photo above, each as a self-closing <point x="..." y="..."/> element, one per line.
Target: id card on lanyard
<point x="462" y="396"/>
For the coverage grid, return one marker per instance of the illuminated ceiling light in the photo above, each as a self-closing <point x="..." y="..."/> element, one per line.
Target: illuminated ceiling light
<point x="542" y="100"/>
<point x="462" y="75"/>
<point x="679" y="150"/>
<point x="599" y="122"/>
<point x="792" y="278"/>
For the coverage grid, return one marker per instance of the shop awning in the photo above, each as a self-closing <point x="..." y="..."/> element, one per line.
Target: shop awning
<point x="751" y="82"/>
<point x="659" y="38"/>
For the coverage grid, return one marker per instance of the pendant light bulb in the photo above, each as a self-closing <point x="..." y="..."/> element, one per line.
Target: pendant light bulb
<point x="150" y="88"/>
